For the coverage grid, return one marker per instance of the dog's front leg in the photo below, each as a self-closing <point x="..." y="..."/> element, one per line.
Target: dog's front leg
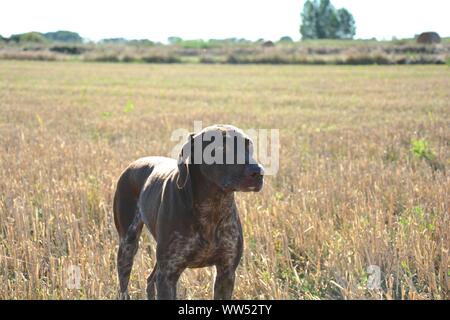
<point x="224" y="283"/>
<point x="166" y="282"/>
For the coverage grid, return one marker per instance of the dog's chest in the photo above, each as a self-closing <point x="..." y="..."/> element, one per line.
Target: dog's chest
<point x="217" y="236"/>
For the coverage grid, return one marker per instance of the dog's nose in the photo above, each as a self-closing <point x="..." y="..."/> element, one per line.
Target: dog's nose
<point x="254" y="170"/>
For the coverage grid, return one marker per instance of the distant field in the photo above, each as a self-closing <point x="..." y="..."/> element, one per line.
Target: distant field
<point x="307" y="52"/>
<point x="363" y="177"/>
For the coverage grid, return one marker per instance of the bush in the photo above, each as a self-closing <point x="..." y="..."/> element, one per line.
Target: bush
<point x="73" y="50"/>
<point x="197" y="44"/>
<point x="365" y="60"/>
<point x="30" y="55"/>
<point x="129" y="58"/>
<point x="273" y="58"/>
<point x="29" y="37"/>
<point x="286" y="39"/>
<point x="174" y="40"/>
<point x="161" y="59"/>
<point x="63" y="36"/>
<point x="233" y="59"/>
<point x="208" y="60"/>
<point x="105" y="58"/>
<point x="141" y="43"/>
<point x="422" y="151"/>
<point x="113" y="41"/>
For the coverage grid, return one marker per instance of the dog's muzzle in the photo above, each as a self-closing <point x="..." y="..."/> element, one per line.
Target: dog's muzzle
<point x="253" y="178"/>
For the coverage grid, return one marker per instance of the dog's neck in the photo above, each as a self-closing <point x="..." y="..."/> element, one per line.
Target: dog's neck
<point x="210" y="197"/>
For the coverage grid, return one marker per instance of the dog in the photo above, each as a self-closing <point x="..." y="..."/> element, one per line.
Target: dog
<point x="189" y="208"/>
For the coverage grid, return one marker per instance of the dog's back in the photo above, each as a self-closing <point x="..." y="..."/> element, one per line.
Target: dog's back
<point x="128" y="189"/>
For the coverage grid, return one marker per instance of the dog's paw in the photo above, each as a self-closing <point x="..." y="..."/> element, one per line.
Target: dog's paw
<point x="124" y="296"/>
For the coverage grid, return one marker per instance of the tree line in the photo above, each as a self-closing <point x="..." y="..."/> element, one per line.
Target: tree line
<point x="319" y="20"/>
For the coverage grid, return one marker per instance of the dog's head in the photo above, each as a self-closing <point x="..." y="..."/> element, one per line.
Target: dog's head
<point x="224" y="156"/>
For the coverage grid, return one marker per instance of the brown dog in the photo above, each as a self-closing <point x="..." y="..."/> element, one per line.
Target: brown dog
<point x="189" y="208"/>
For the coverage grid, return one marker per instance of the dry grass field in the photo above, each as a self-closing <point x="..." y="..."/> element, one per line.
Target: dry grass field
<point x="363" y="176"/>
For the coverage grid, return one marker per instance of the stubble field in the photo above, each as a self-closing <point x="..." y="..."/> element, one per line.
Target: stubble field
<point x="363" y="179"/>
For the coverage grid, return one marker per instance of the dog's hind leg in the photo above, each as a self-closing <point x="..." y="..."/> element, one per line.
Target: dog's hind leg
<point x="151" y="284"/>
<point x="166" y="281"/>
<point x="127" y="250"/>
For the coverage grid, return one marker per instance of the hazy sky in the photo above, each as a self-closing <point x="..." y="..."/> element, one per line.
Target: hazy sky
<point x="191" y="19"/>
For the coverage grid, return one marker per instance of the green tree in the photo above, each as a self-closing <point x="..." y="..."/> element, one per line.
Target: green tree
<point x="174" y="40"/>
<point x="63" y="36"/>
<point x="309" y="26"/>
<point x="285" y="39"/>
<point x="320" y="20"/>
<point x="327" y="22"/>
<point x="347" y="27"/>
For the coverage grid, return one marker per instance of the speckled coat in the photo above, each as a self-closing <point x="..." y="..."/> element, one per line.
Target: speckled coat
<point x="194" y="226"/>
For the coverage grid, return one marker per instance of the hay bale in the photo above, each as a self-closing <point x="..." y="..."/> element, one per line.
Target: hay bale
<point x="428" y="38"/>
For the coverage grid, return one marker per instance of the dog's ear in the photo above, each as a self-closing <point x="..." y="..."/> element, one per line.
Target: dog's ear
<point x="184" y="159"/>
